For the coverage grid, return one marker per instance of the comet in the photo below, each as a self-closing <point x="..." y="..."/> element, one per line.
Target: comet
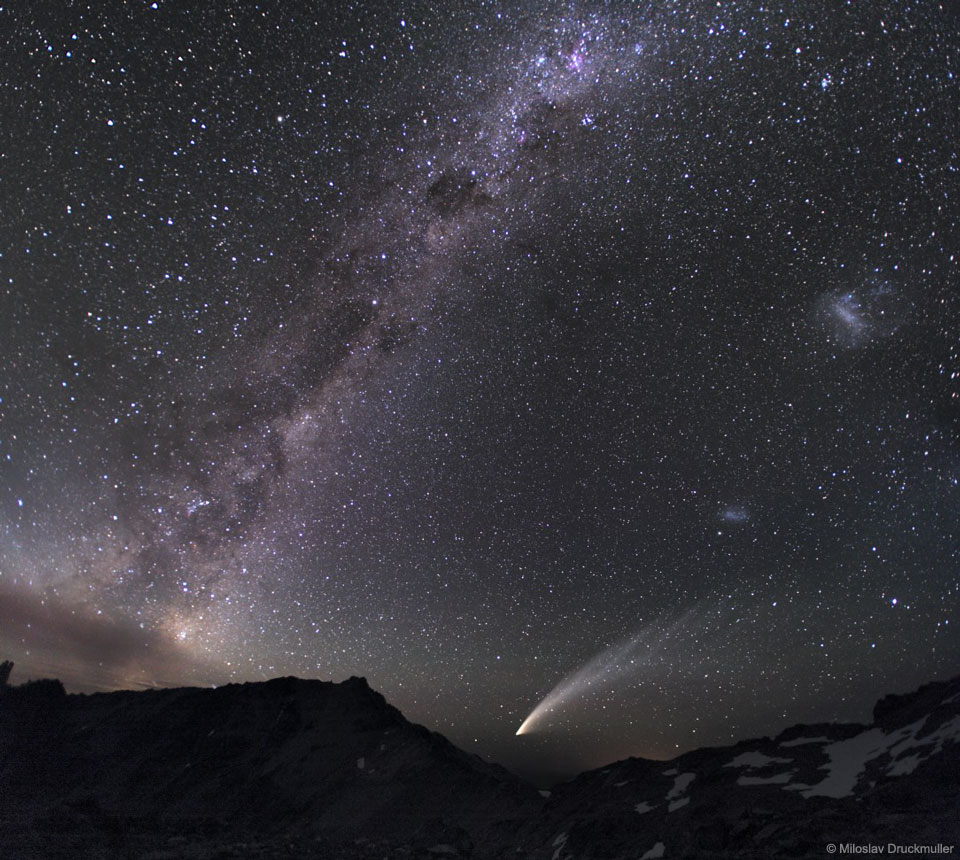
<point x="624" y="659"/>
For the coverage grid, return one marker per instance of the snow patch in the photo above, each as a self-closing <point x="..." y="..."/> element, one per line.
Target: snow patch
<point x="544" y="792"/>
<point x="680" y="784"/>
<point x="643" y="807"/>
<point x="948" y="731"/>
<point x="558" y="843"/>
<point x="848" y="759"/>
<point x="361" y="763"/>
<point x="756" y="760"/>
<point x="655" y="852"/>
<point x="621" y="784"/>
<point x="905" y="765"/>
<point x="796" y="742"/>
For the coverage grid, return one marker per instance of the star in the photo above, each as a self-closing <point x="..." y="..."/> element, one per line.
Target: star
<point x="470" y="352"/>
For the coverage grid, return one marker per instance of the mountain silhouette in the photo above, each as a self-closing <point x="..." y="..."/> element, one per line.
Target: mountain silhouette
<point x="301" y="768"/>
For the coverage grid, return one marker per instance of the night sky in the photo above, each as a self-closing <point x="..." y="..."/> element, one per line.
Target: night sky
<point x="471" y="347"/>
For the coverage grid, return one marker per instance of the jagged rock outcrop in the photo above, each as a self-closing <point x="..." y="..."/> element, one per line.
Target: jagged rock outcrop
<point x="292" y="758"/>
<point x="897" y="781"/>
<point x="298" y="769"/>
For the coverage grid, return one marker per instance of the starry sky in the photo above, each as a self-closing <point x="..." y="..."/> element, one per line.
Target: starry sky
<point x="486" y="349"/>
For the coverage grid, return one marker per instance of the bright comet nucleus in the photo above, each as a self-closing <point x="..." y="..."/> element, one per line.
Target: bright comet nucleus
<point x="620" y="661"/>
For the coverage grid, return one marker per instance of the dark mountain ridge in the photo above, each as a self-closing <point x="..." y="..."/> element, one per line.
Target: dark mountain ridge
<point x="812" y="786"/>
<point x="298" y="768"/>
<point x="288" y="756"/>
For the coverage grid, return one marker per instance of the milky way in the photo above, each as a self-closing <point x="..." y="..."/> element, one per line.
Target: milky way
<point x="449" y="345"/>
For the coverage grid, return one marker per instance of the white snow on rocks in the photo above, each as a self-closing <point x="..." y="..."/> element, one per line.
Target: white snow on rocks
<point x="680" y="784"/>
<point x="848" y="759"/>
<point x="558" y="843"/>
<point x="927" y="746"/>
<point x="655" y="852"/>
<point x="643" y="807"/>
<point x="755" y="760"/>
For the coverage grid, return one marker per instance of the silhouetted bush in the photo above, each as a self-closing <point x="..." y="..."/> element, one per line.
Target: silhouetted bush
<point x="40" y="691"/>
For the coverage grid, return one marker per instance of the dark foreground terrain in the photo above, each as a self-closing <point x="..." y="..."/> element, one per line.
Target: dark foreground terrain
<point x="308" y="769"/>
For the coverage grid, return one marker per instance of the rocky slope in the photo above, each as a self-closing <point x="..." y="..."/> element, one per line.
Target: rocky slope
<point x="286" y="758"/>
<point x="300" y="769"/>
<point x="897" y="780"/>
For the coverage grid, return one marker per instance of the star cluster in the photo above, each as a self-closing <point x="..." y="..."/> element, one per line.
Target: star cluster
<point x="455" y="346"/>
